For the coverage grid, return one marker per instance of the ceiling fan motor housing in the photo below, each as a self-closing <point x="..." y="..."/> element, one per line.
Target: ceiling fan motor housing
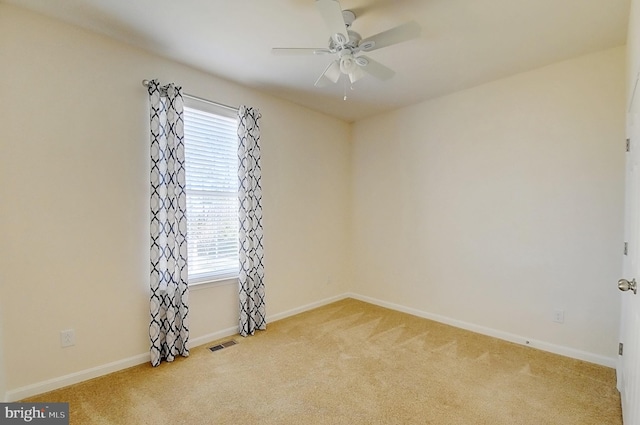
<point x="350" y="45"/>
<point x="348" y="17"/>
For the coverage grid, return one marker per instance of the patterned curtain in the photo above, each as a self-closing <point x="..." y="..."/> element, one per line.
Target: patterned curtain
<point x="251" y="278"/>
<point x="169" y="291"/>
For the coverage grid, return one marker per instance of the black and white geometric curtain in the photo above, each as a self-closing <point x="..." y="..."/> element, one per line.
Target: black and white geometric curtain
<point x="169" y="290"/>
<point x="251" y="276"/>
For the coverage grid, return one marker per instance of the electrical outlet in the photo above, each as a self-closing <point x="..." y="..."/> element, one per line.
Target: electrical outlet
<point x="558" y="315"/>
<point x="67" y="338"/>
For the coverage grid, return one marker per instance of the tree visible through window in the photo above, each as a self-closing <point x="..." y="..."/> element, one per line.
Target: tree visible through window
<point x="212" y="192"/>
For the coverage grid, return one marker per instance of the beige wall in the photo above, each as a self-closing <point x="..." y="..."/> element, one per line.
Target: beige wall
<point x="3" y="379"/>
<point x="74" y="170"/>
<point x="633" y="54"/>
<point x="496" y="205"/>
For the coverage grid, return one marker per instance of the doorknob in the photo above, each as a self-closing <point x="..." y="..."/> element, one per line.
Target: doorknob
<point x="624" y="285"/>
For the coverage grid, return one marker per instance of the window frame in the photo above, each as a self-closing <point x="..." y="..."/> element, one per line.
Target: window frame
<point x="220" y="279"/>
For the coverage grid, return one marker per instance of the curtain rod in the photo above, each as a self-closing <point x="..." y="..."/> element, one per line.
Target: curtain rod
<point x="190" y="96"/>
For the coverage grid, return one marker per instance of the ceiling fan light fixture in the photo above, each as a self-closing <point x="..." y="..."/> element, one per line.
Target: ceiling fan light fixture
<point x="356" y="74"/>
<point x="347" y="64"/>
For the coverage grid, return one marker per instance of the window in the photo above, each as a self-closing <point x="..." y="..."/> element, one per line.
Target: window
<point x="211" y="162"/>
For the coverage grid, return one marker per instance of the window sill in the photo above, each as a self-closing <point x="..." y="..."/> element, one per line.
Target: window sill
<point x="196" y="286"/>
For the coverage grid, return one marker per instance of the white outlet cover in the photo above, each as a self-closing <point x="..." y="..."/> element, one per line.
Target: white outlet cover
<point x="67" y="338"/>
<point x="558" y="316"/>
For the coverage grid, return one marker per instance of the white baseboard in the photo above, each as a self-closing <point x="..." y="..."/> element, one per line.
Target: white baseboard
<point x="272" y="318"/>
<point x="307" y="307"/>
<point x="521" y="340"/>
<point x="94" y="372"/>
<point x="201" y="340"/>
<point x="74" y="378"/>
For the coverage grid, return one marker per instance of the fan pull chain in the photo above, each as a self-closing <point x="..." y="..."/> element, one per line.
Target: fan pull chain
<point x="345" y="89"/>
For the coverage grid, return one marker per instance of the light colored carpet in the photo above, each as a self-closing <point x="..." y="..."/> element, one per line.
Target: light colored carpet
<point x="353" y="363"/>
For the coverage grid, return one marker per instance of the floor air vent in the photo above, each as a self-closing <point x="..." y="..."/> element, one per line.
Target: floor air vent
<point x="223" y="345"/>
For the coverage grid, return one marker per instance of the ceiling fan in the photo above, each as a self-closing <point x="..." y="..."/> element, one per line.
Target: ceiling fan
<point x="348" y="45"/>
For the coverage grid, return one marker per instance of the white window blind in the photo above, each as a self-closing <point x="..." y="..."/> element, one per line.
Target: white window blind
<point x="212" y="195"/>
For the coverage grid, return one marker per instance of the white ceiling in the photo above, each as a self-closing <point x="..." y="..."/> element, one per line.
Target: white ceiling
<point x="463" y="42"/>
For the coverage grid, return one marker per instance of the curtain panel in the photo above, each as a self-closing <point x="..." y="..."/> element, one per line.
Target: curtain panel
<point x="169" y="309"/>
<point x="251" y="275"/>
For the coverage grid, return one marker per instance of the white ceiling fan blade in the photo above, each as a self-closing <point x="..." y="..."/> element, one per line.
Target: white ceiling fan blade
<point x="395" y="35"/>
<point x="295" y="51"/>
<point x="330" y="75"/>
<point x="374" y="68"/>
<point x="332" y="15"/>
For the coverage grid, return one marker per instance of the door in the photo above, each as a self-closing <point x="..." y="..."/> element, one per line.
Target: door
<point x="629" y="361"/>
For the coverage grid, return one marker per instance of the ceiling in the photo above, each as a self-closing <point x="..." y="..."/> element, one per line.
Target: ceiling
<point x="463" y="42"/>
